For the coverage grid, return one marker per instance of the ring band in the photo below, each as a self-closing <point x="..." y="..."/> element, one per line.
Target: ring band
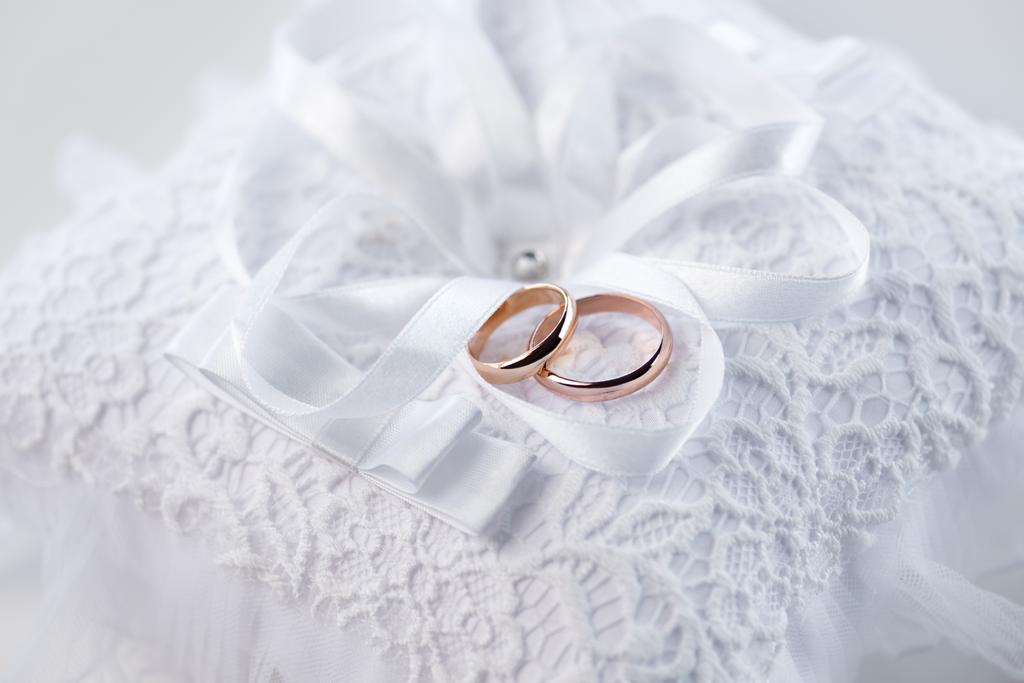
<point x="562" y="323"/>
<point x="605" y="390"/>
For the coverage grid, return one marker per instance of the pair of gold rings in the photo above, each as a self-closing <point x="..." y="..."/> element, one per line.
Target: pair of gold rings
<point x="553" y="332"/>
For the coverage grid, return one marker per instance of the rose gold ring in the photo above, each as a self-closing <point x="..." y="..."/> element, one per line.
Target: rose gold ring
<point x="607" y="389"/>
<point x="561" y="325"/>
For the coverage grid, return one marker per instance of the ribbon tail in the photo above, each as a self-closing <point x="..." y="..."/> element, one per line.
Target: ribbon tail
<point x="428" y="453"/>
<point x="470" y="484"/>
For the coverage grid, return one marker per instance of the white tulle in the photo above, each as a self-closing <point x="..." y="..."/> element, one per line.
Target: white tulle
<point x="915" y="586"/>
<point x="124" y="601"/>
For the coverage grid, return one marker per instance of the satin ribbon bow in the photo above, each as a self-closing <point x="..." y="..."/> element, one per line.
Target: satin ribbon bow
<point x="267" y="349"/>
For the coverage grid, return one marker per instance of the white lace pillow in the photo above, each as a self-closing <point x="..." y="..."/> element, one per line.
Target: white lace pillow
<point x="820" y="429"/>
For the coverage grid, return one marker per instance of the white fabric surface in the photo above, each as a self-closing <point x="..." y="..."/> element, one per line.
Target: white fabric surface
<point x="700" y="570"/>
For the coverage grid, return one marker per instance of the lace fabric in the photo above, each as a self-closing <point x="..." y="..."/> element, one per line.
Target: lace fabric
<point x="821" y="430"/>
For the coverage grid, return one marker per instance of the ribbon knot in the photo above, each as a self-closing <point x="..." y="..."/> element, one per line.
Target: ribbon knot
<point x="504" y="186"/>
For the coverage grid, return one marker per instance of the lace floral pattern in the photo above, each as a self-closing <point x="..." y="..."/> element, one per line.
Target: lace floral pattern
<point x="821" y="427"/>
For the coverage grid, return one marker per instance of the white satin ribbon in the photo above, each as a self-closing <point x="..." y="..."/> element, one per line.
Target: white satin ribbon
<point x="264" y="351"/>
<point x="426" y="452"/>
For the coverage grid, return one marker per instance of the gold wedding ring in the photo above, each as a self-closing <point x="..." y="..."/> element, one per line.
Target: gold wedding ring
<point x="562" y="323"/>
<point x="554" y="330"/>
<point x="616" y="387"/>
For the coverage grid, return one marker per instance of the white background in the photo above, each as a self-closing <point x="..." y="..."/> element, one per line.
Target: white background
<point x="124" y="73"/>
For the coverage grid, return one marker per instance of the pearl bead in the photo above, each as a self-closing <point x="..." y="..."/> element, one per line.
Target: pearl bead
<point x="529" y="265"/>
